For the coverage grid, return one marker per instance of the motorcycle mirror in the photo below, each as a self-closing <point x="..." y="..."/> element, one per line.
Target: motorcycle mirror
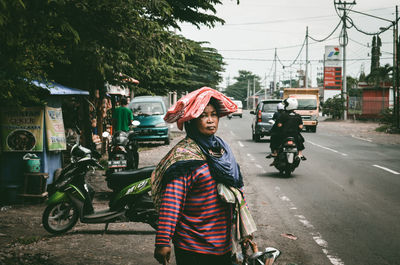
<point x="105" y="134"/>
<point x="135" y="123"/>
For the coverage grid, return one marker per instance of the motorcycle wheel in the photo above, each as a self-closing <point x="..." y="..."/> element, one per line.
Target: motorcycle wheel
<point x="60" y="217"/>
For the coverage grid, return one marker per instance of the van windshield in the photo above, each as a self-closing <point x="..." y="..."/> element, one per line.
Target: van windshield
<point x="238" y="104"/>
<point x="147" y="108"/>
<point x="307" y="104"/>
<point x="269" y="107"/>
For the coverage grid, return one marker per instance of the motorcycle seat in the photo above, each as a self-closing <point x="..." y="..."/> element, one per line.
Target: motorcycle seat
<point x="119" y="180"/>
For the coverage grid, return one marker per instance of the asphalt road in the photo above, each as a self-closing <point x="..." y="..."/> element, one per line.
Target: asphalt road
<point x="342" y="204"/>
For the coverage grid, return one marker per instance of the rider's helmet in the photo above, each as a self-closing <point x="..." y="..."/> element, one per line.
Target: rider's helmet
<point x="280" y="106"/>
<point x="79" y="152"/>
<point x="120" y="138"/>
<point x="291" y="103"/>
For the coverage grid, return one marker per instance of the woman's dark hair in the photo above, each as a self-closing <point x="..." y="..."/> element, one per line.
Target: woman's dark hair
<point x="215" y="104"/>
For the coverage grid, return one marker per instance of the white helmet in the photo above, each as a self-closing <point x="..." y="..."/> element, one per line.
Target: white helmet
<point x="291" y="103"/>
<point x="280" y="106"/>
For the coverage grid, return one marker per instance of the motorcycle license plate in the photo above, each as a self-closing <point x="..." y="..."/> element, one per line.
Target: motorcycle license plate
<point x="290" y="157"/>
<point x="117" y="163"/>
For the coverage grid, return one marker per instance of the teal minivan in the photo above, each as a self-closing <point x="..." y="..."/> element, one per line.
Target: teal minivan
<point x="150" y="112"/>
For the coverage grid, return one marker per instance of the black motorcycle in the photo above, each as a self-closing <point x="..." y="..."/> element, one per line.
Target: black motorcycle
<point x="122" y="151"/>
<point x="71" y="196"/>
<point x="287" y="159"/>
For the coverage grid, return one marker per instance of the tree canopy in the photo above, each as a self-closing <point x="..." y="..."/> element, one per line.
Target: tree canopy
<point x="238" y="90"/>
<point x="85" y="44"/>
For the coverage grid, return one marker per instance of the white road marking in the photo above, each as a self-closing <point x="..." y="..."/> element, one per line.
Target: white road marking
<point x="315" y="235"/>
<point x="327" y="148"/>
<point x="387" y="169"/>
<point x="257" y="165"/>
<point x="284" y="198"/>
<point x="240" y="143"/>
<point x="232" y="133"/>
<point x="251" y="157"/>
<point x="362" y="139"/>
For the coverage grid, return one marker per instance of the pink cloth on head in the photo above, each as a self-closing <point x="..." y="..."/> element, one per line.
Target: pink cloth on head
<point x="193" y="104"/>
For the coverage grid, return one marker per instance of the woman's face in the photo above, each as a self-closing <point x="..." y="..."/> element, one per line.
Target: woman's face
<point x="207" y="122"/>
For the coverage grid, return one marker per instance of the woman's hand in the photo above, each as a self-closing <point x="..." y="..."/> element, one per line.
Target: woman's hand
<point x="162" y="254"/>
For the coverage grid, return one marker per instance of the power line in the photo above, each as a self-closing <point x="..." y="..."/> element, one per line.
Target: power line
<point x="310" y="60"/>
<point x="324" y="39"/>
<point x="271" y="49"/>
<point x="305" y="39"/>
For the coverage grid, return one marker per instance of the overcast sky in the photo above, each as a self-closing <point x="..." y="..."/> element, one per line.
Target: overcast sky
<point x="254" y="28"/>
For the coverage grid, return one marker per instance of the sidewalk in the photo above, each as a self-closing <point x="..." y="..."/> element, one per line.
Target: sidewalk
<point x="360" y="129"/>
<point x="23" y="240"/>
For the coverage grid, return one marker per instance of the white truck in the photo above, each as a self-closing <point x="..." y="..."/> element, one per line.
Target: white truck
<point x="308" y="109"/>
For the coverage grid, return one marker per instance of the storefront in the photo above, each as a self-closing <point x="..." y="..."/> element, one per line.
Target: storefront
<point x="35" y="130"/>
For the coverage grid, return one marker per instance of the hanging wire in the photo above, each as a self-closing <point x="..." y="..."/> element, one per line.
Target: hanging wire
<point x="297" y="57"/>
<point x="324" y="39"/>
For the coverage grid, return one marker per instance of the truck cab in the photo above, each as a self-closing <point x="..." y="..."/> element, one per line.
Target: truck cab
<point x="308" y="109"/>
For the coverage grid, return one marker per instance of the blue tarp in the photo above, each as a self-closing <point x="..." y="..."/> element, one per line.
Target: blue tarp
<point x="57" y="89"/>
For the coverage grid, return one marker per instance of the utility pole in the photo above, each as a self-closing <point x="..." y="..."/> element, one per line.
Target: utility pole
<point x="396" y="67"/>
<point x="396" y="57"/>
<point x="248" y="93"/>
<point x="265" y="86"/>
<point x="254" y="92"/>
<point x="344" y="40"/>
<point x="275" y="72"/>
<point x="306" y="79"/>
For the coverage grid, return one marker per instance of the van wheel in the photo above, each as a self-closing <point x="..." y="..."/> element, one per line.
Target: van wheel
<point x="257" y="137"/>
<point x="313" y="129"/>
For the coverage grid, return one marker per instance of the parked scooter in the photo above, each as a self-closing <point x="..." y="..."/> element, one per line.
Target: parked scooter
<point x="123" y="150"/>
<point x="71" y="196"/>
<point x="287" y="159"/>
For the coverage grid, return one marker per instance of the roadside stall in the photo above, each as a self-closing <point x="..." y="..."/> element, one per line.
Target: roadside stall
<point x="38" y="134"/>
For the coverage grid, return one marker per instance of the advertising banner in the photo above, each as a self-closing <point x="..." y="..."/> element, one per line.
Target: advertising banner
<point x="22" y="130"/>
<point x="55" y="132"/>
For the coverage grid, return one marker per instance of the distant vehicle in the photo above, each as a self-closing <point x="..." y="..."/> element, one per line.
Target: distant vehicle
<point x="239" y="111"/>
<point x="150" y="112"/>
<point x="262" y="122"/>
<point x="308" y="109"/>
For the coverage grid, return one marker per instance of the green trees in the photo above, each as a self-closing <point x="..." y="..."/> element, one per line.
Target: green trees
<point x="238" y="90"/>
<point x="85" y="44"/>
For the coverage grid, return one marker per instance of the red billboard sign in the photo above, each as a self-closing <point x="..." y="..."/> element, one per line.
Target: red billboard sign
<point x="333" y="78"/>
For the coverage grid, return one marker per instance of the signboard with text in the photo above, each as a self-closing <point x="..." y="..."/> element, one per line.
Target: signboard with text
<point x="333" y="78"/>
<point x="55" y="129"/>
<point x="22" y="129"/>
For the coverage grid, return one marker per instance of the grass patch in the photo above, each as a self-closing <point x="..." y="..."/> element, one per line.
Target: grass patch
<point x="382" y="128"/>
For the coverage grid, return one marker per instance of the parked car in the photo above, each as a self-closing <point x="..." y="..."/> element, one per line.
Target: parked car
<point x="239" y="111"/>
<point x="150" y="112"/>
<point x="262" y="122"/>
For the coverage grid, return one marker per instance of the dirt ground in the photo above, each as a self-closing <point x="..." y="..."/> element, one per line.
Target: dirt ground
<point x="23" y="239"/>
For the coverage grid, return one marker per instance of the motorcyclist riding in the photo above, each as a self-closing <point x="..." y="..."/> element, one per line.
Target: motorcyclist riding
<point x="291" y="125"/>
<point x="276" y="132"/>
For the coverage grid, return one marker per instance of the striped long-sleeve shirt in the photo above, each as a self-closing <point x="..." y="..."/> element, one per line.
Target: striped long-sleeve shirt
<point x="193" y="216"/>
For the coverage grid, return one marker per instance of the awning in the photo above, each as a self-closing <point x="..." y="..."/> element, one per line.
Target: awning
<point x="57" y="89"/>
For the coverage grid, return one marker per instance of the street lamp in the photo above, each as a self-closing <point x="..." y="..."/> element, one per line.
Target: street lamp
<point x="395" y="66"/>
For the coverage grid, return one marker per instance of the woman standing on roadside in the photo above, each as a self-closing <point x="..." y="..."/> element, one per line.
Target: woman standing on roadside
<point x="188" y="182"/>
